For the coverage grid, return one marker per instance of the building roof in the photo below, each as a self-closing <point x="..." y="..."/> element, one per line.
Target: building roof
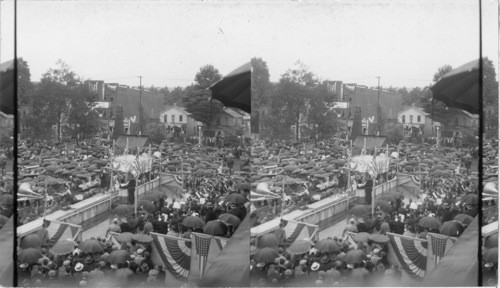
<point x="134" y="141"/>
<point x="167" y="108"/>
<point x="420" y="109"/>
<point x="371" y="141"/>
<point x="233" y="112"/>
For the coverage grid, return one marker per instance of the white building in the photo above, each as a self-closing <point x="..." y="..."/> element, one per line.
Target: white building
<point x="417" y="122"/>
<point x="175" y="116"/>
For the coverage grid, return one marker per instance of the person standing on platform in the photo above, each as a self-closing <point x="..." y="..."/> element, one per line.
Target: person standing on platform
<point x="43" y="234"/>
<point x="130" y="189"/>
<point x="368" y="186"/>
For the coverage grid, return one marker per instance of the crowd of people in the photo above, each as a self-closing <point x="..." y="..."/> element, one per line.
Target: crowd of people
<point x="207" y="197"/>
<point x="448" y="192"/>
<point x="69" y="173"/>
<point x="81" y="268"/>
<point x="325" y="266"/>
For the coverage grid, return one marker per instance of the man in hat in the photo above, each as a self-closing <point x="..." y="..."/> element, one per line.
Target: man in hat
<point x="343" y="178"/>
<point x="130" y="189"/>
<point x="211" y="213"/>
<point x="280" y="233"/>
<point x="368" y="186"/>
<point x="43" y="234"/>
<point x="105" y="180"/>
<point x="447" y="214"/>
<point x="361" y="225"/>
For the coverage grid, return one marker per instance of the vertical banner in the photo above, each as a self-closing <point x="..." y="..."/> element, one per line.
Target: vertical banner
<point x="204" y="251"/>
<point x="440" y="244"/>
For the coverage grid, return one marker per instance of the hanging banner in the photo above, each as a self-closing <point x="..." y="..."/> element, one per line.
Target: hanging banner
<point x="362" y="164"/>
<point x="382" y="163"/>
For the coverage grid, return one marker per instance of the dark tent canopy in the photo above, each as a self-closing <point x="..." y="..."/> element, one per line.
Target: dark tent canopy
<point x="7" y="87"/>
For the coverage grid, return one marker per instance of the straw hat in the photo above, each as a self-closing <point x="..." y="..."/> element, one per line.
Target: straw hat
<point x="78" y="267"/>
<point x="315" y="266"/>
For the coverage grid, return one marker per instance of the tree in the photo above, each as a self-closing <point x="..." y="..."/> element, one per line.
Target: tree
<point x="441" y="72"/>
<point x="175" y="96"/>
<point x="51" y="100"/>
<point x="260" y="91"/>
<point x="83" y="118"/>
<point x="198" y="99"/>
<point x="24" y="84"/>
<point x="293" y="91"/>
<point x="166" y="96"/>
<point x="119" y="127"/>
<point x="490" y="83"/>
<point x="324" y="120"/>
<point x="156" y="132"/>
<point x="207" y="76"/>
<point x="394" y="133"/>
<point x="356" y="123"/>
<point x="490" y="98"/>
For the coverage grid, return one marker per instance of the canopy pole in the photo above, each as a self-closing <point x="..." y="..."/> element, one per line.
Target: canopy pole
<point x="136" y="185"/>
<point x="150" y="168"/>
<point x="349" y="184"/>
<point x="282" y="199"/>
<point x="111" y="176"/>
<point x="45" y="202"/>
<point x="387" y="173"/>
<point x="373" y="181"/>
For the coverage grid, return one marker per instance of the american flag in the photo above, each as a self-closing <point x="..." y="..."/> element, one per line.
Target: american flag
<point x="438" y="243"/>
<point x="202" y="247"/>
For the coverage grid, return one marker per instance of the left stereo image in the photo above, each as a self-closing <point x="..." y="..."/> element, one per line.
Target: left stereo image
<point x="7" y="173"/>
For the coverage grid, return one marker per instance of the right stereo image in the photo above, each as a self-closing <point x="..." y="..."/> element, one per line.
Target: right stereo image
<point x="375" y="156"/>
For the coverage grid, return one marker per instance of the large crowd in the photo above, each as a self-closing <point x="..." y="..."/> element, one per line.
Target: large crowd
<point x="209" y="199"/>
<point x="446" y="203"/>
<point x="70" y="173"/>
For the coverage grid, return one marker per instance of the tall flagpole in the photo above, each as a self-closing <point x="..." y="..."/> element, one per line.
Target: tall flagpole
<point x="45" y="203"/>
<point x="349" y="184"/>
<point x="373" y="181"/>
<point x="111" y="175"/>
<point x="150" y="168"/>
<point x="387" y="173"/>
<point x="282" y="199"/>
<point x="136" y="184"/>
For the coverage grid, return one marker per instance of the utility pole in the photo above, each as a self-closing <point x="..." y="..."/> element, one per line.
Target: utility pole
<point x="378" y="107"/>
<point x="140" y="105"/>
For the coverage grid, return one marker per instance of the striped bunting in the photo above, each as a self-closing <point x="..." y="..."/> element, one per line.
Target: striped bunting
<point x="174" y="254"/>
<point x="411" y="253"/>
<point x="416" y="179"/>
<point x="298" y="230"/>
<point x="58" y="230"/>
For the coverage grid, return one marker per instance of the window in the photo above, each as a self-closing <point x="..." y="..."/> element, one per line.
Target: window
<point x="403" y="118"/>
<point x="456" y="121"/>
<point x="411" y="118"/>
<point x="173" y="118"/>
<point x="165" y="118"/>
<point x="180" y="118"/>
<point x="418" y="118"/>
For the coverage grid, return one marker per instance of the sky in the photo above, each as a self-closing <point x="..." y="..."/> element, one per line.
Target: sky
<point x="404" y="41"/>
